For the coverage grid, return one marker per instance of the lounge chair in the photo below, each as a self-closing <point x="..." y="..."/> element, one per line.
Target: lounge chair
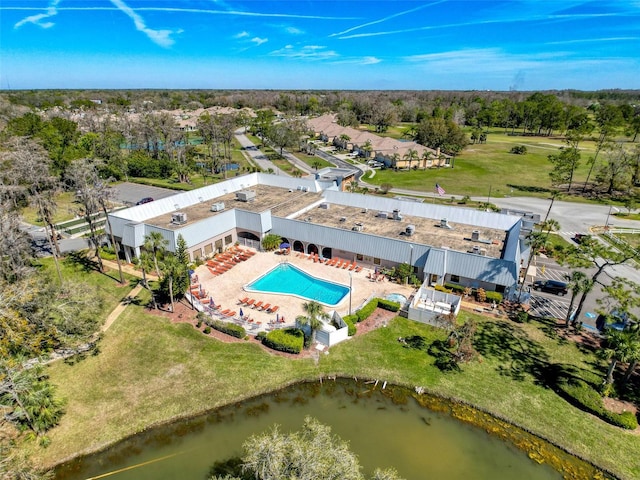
<point x="358" y="269"/>
<point x="224" y="312"/>
<point x="258" y="305"/>
<point x="346" y="264"/>
<point x="265" y="307"/>
<point x="250" y="302"/>
<point x="230" y="314"/>
<point x="273" y="309"/>
<point x="243" y="301"/>
<point x="352" y="266"/>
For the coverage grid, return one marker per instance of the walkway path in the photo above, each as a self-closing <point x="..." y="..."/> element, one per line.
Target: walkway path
<point x="113" y="316"/>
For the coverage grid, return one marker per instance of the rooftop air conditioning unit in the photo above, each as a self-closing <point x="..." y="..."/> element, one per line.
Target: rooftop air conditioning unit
<point x="382" y="215"/>
<point x="358" y="227"/>
<point x="179" y="218"/>
<point x="305" y="189"/>
<point x="483" y="252"/>
<point x="396" y="215"/>
<point x="217" y="207"/>
<point x="245" y="195"/>
<point x="476" y="249"/>
<point x="325" y="206"/>
<point x="475" y="235"/>
<point x="410" y="230"/>
<point x="444" y="223"/>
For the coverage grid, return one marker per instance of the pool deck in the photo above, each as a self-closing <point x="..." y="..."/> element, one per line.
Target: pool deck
<point x="227" y="289"/>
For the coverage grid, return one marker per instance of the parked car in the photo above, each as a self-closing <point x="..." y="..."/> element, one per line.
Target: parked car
<point x="551" y="286"/>
<point x="144" y="200"/>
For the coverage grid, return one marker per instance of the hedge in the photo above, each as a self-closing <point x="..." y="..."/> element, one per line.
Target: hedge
<point x="367" y="310"/>
<point x="288" y="340"/>
<point x="494" y="297"/>
<point x="586" y="398"/>
<point x="388" y="305"/>
<point x="455" y="287"/>
<point x="351" y="320"/>
<point x="228" y="328"/>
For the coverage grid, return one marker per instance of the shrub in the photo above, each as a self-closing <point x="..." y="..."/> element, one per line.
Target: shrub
<point x="260" y="335"/>
<point x="351" y="320"/>
<point x="581" y="395"/>
<point x="494" y="297"/>
<point x="289" y="340"/>
<point x="207" y="330"/>
<point x="481" y="295"/>
<point x="442" y="288"/>
<point x="455" y="288"/>
<point x="367" y="310"/>
<point x="228" y="328"/>
<point x="519" y="150"/>
<point x="198" y="324"/>
<point x="388" y="305"/>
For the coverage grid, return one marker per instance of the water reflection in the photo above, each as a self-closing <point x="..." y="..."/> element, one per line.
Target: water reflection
<point x="384" y="428"/>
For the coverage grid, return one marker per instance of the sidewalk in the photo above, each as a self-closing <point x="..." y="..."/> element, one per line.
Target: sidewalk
<point x="128" y="269"/>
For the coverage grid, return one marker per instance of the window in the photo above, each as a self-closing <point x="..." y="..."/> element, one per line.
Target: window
<point x="197" y="253"/>
<point x="455" y="278"/>
<point x="218" y="246"/>
<point x="359" y="257"/>
<point x="228" y="239"/>
<point x="376" y="261"/>
<point x="208" y="249"/>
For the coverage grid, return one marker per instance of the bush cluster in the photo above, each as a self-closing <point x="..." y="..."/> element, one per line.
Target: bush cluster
<point x="288" y="340"/>
<point x="493" y="297"/>
<point x="367" y="310"/>
<point x="388" y="305"/>
<point x="455" y="288"/>
<point x="228" y="328"/>
<point x="519" y="150"/>
<point x="586" y="398"/>
<point x="351" y="321"/>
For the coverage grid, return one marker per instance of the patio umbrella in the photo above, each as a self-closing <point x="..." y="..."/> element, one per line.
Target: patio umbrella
<point x="277" y="317"/>
<point x="241" y="313"/>
<point x="284" y="245"/>
<point x="211" y="303"/>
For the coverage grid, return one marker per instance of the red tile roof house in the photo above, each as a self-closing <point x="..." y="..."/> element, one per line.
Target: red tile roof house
<point x="388" y="151"/>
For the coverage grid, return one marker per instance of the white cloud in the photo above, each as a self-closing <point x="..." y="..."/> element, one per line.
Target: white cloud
<point x="52" y="11"/>
<point x="307" y="52"/>
<point x="359" y="61"/>
<point x="259" y="41"/>
<point x="160" y="37"/>
<point x="293" y="30"/>
<point x="241" y="35"/>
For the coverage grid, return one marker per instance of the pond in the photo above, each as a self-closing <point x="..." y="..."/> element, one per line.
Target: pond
<point x="385" y="428"/>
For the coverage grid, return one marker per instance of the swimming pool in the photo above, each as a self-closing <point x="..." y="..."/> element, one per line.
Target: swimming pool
<point x="287" y="279"/>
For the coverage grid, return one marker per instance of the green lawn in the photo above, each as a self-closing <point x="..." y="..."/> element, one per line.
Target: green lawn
<point x="66" y="210"/>
<point x="150" y="370"/>
<point x="487" y="166"/>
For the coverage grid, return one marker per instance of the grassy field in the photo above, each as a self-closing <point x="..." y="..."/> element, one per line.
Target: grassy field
<point x="150" y="370"/>
<point x="487" y="166"/>
<point x="66" y="210"/>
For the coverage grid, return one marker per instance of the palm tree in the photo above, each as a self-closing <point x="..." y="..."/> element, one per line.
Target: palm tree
<point x="426" y="155"/>
<point x="619" y="347"/>
<point x="155" y="243"/>
<point x="578" y="282"/>
<point x="549" y="226"/>
<point x="410" y="156"/>
<point x="173" y="270"/>
<point x="315" y="314"/>
<point x="144" y="263"/>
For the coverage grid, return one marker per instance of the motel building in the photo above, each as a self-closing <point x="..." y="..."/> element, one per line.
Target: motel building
<point x="443" y="244"/>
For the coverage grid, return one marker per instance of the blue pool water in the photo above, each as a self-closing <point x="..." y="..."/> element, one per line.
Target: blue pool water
<point x="397" y="297"/>
<point x="290" y="280"/>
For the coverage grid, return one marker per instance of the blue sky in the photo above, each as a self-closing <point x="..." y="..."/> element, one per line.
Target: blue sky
<point x="298" y="44"/>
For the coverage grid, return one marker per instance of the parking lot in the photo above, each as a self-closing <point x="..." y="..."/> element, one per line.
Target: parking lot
<point x="129" y="193"/>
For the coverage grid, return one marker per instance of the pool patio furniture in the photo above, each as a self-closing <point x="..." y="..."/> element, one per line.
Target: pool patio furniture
<point x="358" y="269"/>
<point x="250" y="302"/>
<point x="273" y="309"/>
<point x="230" y="314"/>
<point x="258" y="305"/>
<point x="224" y="312"/>
<point x="243" y="301"/>
<point x="265" y="307"/>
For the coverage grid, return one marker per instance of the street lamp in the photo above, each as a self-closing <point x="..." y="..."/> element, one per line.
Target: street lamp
<point x="350" y="290"/>
<point x="606" y="224"/>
